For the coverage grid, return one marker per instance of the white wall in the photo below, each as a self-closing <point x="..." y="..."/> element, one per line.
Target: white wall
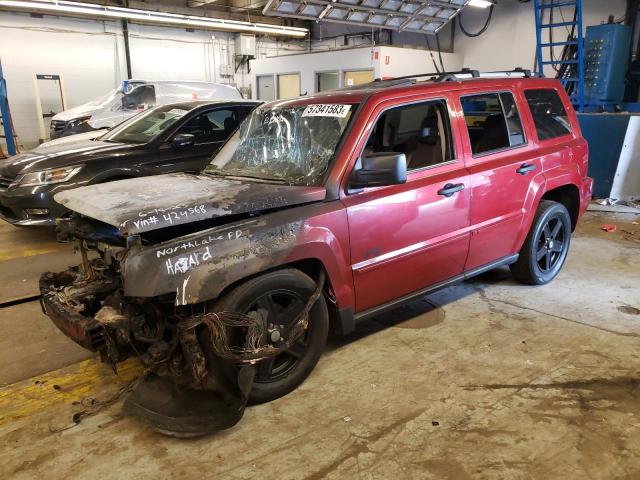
<point x="85" y="54"/>
<point x="397" y="62"/>
<point x="308" y="63"/>
<point x="90" y="56"/>
<point x="510" y="40"/>
<point x="384" y="61"/>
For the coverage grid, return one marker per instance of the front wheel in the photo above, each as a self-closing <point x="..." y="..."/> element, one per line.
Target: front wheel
<point x="280" y="296"/>
<point x="546" y="247"/>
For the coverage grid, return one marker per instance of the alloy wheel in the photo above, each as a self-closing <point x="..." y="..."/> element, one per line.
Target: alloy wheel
<point x="280" y="308"/>
<point x="550" y="244"/>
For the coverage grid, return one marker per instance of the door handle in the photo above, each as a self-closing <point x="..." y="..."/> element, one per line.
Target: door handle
<point x="526" y="168"/>
<point x="450" y="189"/>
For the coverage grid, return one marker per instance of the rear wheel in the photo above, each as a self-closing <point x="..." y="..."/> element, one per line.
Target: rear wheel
<point x="546" y="247"/>
<point x="280" y="297"/>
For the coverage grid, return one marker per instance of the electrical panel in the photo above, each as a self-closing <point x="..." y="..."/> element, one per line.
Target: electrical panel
<point x="227" y="70"/>
<point x="607" y="49"/>
<point x="245" y="45"/>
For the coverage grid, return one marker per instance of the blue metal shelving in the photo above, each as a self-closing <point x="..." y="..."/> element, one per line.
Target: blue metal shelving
<point x="5" y="115"/>
<point x="544" y="9"/>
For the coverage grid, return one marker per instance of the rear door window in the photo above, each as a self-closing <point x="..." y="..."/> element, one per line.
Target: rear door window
<point x="493" y="122"/>
<point x="421" y="131"/>
<point x="549" y="114"/>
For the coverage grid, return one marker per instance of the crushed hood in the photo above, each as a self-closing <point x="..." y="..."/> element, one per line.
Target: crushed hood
<point x="150" y="203"/>
<point x="81" y="111"/>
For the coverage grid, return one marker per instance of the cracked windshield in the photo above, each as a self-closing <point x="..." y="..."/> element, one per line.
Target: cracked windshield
<point x="289" y="144"/>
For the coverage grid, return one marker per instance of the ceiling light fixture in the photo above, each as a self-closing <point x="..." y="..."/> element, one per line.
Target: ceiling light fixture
<point x="481" y="3"/>
<point x="61" y="7"/>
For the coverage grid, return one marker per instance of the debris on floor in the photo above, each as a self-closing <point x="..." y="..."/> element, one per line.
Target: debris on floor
<point x="609" y="228"/>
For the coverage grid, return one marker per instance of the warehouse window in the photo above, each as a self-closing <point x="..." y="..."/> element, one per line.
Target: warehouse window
<point x="548" y="113"/>
<point x="493" y="122"/>
<point x="421" y="131"/>
<point x="327" y="81"/>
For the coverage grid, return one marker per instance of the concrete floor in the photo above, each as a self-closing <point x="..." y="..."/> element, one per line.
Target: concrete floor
<point x="489" y="379"/>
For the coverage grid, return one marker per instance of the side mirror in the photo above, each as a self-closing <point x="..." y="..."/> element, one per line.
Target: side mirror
<point x="183" y="140"/>
<point x="380" y="169"/>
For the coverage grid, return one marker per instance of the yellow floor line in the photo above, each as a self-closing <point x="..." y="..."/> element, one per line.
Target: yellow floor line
<point x="84" y="379"/>
<point x="27" y="252"/>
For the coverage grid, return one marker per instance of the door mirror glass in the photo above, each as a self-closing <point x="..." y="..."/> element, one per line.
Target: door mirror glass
<point x="380" y="169"/>
<point x="183" y="140"/>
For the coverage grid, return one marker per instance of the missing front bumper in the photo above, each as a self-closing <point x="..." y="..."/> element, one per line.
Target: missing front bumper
<point x="199" y="375"/>
<point x="59" y="300"/>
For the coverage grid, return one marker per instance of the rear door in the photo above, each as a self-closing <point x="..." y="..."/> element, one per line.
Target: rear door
<point x="505" y="170"/>
<point x="407" y="237"/>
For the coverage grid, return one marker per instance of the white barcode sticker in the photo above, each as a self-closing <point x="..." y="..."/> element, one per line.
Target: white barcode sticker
<point x="327" y="110"/>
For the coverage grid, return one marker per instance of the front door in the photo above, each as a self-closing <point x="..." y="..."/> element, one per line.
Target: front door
<point x="210" y="129"/>
<point x="407" y="237"/>
<point x="505" y="171"/>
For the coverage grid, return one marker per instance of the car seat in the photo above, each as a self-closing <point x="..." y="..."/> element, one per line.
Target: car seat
<point x="230" y="125"/>
<point x="426" y="149"/>
<point x="494" y="135"/>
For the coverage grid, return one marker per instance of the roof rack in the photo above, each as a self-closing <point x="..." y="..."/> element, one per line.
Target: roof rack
<point x="450" y="76"/>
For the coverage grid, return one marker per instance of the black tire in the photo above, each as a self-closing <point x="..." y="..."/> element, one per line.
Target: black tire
<point x="546" y="247"/>
<point x="279" y="375"/>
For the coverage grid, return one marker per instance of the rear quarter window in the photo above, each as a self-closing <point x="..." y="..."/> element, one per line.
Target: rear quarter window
<point x="549" y="115"/>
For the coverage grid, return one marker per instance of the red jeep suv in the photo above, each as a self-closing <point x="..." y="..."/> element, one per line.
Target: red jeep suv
<point x="320" y="212"/>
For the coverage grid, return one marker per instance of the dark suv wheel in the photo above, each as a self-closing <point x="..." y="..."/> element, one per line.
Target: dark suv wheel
<point x="545" y="249"/>
<point x="281" y="295"/>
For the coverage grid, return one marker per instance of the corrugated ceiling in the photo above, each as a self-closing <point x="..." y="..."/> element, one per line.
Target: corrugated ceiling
<point x="426" y="16"/>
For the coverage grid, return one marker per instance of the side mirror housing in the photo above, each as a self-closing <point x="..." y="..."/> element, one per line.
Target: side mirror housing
<point x="183" y="140"/>
<point x="380" y="169"/>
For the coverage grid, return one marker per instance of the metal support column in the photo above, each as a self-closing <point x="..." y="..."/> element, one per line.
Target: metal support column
<point x="125" y="36"/>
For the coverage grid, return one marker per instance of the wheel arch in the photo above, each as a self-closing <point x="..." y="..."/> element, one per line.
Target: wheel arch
<point x="569" y="196"/>
<point x="312" y="267"/>
<point x="113" y="176"/>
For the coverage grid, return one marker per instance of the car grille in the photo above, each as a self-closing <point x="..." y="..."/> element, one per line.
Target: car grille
<point x="58" y="126"/>
<point x="5" y="182"/>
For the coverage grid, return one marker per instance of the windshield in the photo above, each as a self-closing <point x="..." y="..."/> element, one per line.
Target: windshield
<point x="290" y="144"/>
<point x="145" y="126"/>
<point x="105" y="99"/>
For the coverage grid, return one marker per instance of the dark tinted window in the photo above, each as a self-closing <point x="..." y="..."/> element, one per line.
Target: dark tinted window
<point x="421" y="131"/>
<point x="493" y="122"/>
<point x="548" y="113"/>
<point x="140" y="97"/>
<point x="212" y="126"/>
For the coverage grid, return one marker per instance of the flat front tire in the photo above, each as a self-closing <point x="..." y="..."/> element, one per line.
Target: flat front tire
<point x="281" y="295"/>
<point x="546" y="247"/>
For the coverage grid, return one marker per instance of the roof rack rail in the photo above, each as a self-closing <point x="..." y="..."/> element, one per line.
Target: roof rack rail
<point x="445" y="77"/>
<point x="437" y="75"/>
<point x="526" y="73"/>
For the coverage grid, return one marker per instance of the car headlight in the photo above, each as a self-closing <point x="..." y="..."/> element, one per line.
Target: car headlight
<point x="47" y="177"/>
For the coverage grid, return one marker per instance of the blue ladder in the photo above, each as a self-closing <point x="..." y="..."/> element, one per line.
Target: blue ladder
<point x="542" y="8"/>
<point x="5" y="121"/>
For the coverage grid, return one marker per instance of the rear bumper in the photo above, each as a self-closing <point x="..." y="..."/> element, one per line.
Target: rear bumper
<point x="586" y="194"/>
